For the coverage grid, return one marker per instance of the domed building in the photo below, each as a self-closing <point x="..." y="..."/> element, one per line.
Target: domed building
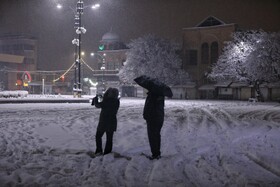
<point x="113" y="54"/>
<point x="111" y="41"/>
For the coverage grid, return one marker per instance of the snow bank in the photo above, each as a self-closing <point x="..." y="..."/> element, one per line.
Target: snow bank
<point x="14" y="94"/>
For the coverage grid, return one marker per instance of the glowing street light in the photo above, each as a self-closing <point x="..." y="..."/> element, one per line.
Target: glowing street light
<point x="102" y="56"/>
<point x="103" y="73"/>
<point x="78" y="41"/>
<point x="59" y="6"/>
<point x="95" y="6"/>
<point x="102" y="67"/>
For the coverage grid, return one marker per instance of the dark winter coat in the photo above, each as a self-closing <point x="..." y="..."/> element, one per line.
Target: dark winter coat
<point x="154" y="108"/>
<point x="108" y="115"/>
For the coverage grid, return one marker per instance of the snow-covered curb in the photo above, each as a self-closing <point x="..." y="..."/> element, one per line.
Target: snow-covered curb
<point x="14" y="94"/>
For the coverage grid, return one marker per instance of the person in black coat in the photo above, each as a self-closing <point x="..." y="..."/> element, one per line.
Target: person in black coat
<point x="154" y="115"/>
<point x="107" y="119"/>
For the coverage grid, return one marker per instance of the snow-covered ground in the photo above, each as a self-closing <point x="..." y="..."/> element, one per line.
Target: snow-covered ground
<point x="204" y="143"/>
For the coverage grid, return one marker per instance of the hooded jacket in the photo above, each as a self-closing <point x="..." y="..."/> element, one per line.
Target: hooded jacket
<point x="108" y="115"/>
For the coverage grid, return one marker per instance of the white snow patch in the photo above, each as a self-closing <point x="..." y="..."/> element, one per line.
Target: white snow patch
<point x="204" y="143"/>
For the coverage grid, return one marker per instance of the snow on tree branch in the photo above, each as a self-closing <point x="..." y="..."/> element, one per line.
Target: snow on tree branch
<point x="154" y="57"/>
<point x="251" y="56"/>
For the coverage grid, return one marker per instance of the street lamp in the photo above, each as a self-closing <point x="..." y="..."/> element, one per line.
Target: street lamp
<point x="75" y="41"/>
<point x="95" y="6"/>
<point x="78" y="43"/>
<point x="102" y="57"/>
<point x="79" y="31"/>
<point x="103" y="66"/>
<point x="103" y="72"/>
<point x="59" y="6"/>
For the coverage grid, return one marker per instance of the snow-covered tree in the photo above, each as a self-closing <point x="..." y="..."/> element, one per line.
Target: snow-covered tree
<point x="264" y="60"/>
<point x="252" y="57"/>
<point x="154" y="57"/>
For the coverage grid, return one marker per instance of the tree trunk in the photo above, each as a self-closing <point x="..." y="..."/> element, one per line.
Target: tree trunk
<point x="259" y="95"/>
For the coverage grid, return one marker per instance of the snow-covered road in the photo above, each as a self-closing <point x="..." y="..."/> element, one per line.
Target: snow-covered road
<point x="204" y="143"/>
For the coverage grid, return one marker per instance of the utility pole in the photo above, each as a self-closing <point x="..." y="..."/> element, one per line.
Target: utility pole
<point x="75" y="41"/>
<point x="81" y="30"/>
<point x="77" y="87"/>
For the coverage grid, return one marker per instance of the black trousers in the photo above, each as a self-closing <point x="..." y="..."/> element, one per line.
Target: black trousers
<point x="154" y="136"/>
<point x="109" y="141"/>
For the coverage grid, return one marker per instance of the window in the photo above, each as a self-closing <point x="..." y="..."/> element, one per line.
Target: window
<point x="110" y="65"/>
<point x="214" y="52"/>
<point x="204" y="53"/>
<point x="29" y="61"/>
<point x="17" y="47"/>
<point x="192" y="57"/>
<point x="28" y="47"/>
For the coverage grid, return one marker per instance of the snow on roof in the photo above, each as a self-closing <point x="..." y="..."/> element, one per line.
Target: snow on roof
<point x="239" y="84"/>
<point x="273" y="85"/>
<point x="110" y="36"/>
<point x="223" y="84"/>
<point x="207" y="87"/>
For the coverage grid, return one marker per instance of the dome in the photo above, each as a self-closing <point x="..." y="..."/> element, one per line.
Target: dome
<point x="110" y="37"/>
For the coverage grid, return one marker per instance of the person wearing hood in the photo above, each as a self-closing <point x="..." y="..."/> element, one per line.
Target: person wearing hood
<point x="107" y="119"/>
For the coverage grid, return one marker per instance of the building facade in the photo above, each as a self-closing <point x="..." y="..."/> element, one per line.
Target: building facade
<point x="109" y="59"/>
<point x="18" y="57"/>
<point x="202" y="46"/>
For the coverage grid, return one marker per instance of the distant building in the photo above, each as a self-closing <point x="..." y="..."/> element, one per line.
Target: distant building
<point x="113" y="50"/>
<point x="109" y="59"/>
<point x="18" y="57"/>
<point x="202" y="46"/>
<point x="18" y="67"/>
<point x="111" y="41"/>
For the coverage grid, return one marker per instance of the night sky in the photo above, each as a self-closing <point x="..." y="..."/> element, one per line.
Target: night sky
<point x="128" y="18"/>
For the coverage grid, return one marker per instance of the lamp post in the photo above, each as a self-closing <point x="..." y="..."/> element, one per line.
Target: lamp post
<point x="102" y="57"/>
<point x="103" y="71"/>
<point x="79" y="31"/>
<point x="103" y="67"/>
<point x="78" y="43"/>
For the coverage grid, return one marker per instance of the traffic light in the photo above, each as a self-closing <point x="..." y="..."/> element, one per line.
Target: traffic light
<point x="101" y="47"/>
